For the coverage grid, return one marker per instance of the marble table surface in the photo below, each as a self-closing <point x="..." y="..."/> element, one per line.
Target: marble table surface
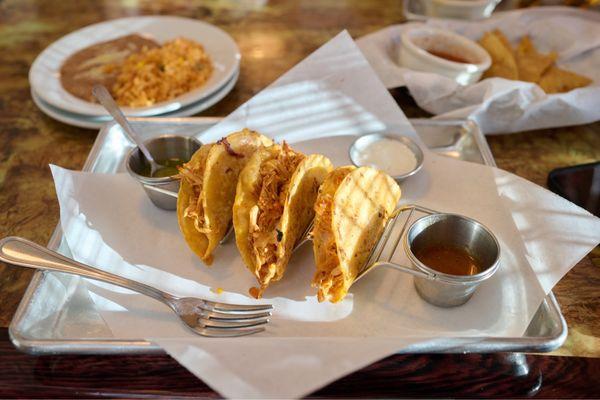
<point x="273" y="36"/>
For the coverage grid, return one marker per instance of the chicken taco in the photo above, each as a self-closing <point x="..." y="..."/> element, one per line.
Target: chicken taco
<point x="207" y="191"/>
<point x="274" y="207"/>
<point x="351" y="210"/>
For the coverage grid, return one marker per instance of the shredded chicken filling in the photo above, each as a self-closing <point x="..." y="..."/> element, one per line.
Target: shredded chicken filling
<point x="265" y="216"/>
<point x="194" y="210"/>
<point x="329" y="278"/>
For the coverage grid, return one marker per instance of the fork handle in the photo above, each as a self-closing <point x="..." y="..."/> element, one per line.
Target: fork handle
<point x="25" y="253"/>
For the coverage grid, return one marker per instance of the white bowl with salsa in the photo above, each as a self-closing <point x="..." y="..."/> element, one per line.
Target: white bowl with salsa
<point x="460" y="9"/>
<point x="443" y="52"/>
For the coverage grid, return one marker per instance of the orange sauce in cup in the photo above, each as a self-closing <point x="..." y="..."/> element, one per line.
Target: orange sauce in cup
<point x="448" y="56"/>
<point x="449" y="260"/>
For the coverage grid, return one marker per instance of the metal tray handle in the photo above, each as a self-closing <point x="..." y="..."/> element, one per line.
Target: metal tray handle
<point x="374" y="259"/>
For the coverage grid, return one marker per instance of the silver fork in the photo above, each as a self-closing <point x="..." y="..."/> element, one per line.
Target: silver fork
<point x="204" y="317"/>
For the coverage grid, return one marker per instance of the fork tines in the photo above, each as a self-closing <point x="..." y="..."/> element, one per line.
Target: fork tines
<point x="230" y="320"/>
<point x="234" y="308"/>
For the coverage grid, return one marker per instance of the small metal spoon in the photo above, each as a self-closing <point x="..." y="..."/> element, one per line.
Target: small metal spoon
<point x="113" y="109"/>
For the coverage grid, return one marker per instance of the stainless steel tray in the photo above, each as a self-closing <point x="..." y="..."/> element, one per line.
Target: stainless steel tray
<point x="56" y="314"/>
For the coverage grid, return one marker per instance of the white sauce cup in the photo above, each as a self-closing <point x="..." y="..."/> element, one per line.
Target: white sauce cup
<point x="362" y="143"/>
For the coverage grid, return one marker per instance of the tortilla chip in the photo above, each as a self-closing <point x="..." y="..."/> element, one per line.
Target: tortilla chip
<point x="557" y="80"/>
<point x="525" y="63"/>
<point x="503" y="60"/>
<point x="500" y="35"/>
<point x="530" y="62"/>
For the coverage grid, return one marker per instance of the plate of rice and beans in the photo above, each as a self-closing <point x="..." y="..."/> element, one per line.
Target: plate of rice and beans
<point x="151" y="65"/>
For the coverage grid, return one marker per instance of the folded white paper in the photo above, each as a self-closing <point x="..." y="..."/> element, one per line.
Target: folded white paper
<point x="500" y="105"/>
<point x="319" y="106"/>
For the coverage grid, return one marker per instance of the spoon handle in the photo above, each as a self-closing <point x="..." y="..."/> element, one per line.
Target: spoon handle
<point x="111" y="106"/>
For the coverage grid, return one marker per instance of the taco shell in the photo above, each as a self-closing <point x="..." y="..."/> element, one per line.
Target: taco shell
<point x="273" y="207"/>
<point x="351" y="209"/>
<point x="207" y="190"/>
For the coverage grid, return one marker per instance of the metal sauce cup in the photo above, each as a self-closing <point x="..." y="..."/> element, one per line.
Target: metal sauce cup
<point x="445" y="290"/>
<point x="360" y="145"/>
<point x="162" y="148"/>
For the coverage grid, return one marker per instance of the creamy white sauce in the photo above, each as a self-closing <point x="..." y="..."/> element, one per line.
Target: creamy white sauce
<point x="388" y="155"/>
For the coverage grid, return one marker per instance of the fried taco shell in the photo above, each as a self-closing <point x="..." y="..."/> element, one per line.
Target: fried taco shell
<point x="273" y="207"/>
<point x="207" y="190"/>
<point x="352" y="207"/>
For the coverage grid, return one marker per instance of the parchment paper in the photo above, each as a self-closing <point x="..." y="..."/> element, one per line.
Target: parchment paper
<point x="320" y="105"/>
<point x="500" y="105"/>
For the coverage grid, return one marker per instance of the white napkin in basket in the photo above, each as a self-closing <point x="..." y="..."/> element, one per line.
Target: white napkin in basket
<point x="500" y="105"/>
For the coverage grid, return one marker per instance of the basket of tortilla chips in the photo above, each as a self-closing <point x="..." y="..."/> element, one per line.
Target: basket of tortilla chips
<point x="525" y="63"/>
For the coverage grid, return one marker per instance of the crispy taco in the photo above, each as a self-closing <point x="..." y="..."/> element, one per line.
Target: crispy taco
<point x="273" y="207"/>
<point x="351" y="209"/>
<point x="207" y="191"/>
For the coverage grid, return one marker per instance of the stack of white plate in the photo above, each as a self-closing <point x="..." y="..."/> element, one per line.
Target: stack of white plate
<point x="50" y="96"/>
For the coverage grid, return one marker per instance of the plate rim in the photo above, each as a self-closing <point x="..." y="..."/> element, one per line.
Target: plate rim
<point x="191" y="109"/>
<point x="162" y="107"/>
